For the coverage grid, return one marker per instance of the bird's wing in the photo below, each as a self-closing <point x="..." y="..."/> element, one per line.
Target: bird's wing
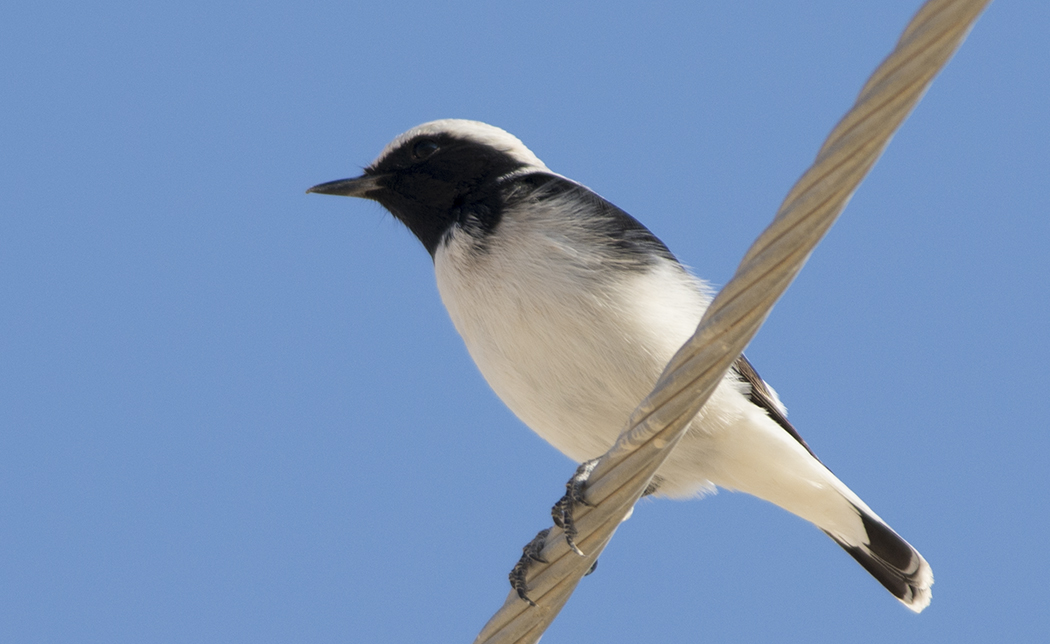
<point x="762" y="396"/>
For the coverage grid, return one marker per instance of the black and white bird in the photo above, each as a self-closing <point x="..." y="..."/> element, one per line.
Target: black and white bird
<point x="571" y="308"/>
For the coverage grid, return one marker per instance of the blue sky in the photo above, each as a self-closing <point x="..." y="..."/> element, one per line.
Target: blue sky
<point x="233" y="412"/>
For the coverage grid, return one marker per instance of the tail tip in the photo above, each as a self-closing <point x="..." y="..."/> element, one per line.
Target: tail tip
<point x="893" y="562"/>
<point x="917" y="592"/>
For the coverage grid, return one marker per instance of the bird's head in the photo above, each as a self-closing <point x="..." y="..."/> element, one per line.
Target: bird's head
<point x="435" y="174"/>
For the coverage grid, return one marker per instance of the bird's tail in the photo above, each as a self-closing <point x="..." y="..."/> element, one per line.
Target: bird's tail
<point x="792" y="478"/>
<point x="892" y="561"/>
<point x="760" y="458"/>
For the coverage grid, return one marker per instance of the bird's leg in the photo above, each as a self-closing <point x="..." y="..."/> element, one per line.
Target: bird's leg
<point x="563" y="510"/>
<point x="654" y="485"/>
<point x="562" y="514"/>
<point x="531" y="552"/>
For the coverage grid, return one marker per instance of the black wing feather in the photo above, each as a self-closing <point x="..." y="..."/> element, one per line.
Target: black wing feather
<point x="763" y="397"/>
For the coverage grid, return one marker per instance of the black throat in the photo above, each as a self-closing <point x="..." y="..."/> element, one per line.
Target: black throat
<point x="458" y="184"/>
<point x="439" y="183"/>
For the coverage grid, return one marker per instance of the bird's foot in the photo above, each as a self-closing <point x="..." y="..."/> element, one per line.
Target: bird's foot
<point x="562" y="513"/>
<point x="654" y="485"/>
<point x="563" y="510"/>
<point x="530" y="553"/>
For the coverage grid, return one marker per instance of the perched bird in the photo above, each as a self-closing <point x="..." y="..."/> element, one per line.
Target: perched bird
<point x="571" y="308"/>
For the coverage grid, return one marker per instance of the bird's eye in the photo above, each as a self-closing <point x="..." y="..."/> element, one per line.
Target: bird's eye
<point x="424" y="148"/>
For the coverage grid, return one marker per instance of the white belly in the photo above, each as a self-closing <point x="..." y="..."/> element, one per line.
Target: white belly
<point x="570" y="356"/>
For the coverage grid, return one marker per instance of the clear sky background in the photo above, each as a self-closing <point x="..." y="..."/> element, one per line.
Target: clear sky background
<point x="233" y="412"/>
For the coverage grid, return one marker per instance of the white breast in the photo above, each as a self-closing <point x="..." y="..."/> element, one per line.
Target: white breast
<point x="570" y="352"/>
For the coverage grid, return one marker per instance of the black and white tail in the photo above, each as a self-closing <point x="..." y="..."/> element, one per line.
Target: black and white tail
<point x="764" y="455"/>
<point x="892" y="561"/>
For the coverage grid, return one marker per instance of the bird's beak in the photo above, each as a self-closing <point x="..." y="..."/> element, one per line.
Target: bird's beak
<point x="359" y="187"/>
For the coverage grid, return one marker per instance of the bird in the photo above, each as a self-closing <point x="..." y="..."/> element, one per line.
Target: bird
<point x="571" y="308"/>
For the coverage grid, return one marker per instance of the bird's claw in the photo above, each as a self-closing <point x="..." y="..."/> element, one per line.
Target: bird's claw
<point x="562" y="513"/>
<point x="563" y="510"/>
<point x="530" y="553"/>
